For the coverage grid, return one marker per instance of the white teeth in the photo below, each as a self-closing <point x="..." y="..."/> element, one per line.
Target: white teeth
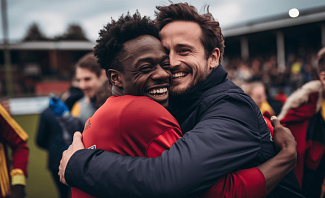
<point x="179" y="74"/>
<point x="158" y="91"/>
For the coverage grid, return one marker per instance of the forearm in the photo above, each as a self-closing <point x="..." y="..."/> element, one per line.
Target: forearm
<point x="124" y="176"/>
<point x="20" y="157"/>
<point x="275" y="169"/>
<point x="247" y="183"/>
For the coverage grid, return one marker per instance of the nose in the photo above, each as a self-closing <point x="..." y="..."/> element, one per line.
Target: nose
<point x="173" y="60"/>
<point x="82" y="84"/>
<point x="160" y="74"/>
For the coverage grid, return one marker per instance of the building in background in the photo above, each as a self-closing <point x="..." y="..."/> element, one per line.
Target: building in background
<point x="280" y="51"/>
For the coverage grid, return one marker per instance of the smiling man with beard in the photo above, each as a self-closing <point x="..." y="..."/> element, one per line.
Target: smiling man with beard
<point x="223" y="128"/>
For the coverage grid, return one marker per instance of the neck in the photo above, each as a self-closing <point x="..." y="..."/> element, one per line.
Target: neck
<point x="117" y="91"/>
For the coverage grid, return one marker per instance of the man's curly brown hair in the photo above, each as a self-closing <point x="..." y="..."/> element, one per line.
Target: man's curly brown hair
<point x="109" y="48"/>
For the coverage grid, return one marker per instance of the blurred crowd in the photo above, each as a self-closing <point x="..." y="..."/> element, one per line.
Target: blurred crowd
<point x="297" y="71"/>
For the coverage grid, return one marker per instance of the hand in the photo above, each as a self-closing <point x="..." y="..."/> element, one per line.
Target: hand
<point x="17" y="191"/>
<point x="75" y="146"/>
<point x="57" y="106"/>
<point x="282" y="136"/>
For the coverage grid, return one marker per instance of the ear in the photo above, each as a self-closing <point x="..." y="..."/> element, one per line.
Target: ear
<point x="115" y="77"/>
<point x="213" y="60"/>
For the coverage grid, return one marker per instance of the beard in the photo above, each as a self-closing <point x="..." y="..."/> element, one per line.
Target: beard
<point x="198" y="79"/>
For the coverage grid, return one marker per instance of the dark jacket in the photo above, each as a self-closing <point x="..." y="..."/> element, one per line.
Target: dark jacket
<point x="223" y="130"/>
<point x="55" y="135"/>
<point x="49" y="137"/>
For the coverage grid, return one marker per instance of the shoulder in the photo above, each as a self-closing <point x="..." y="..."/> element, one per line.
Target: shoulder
<point x="143" y="106"/>
<point x="228" y="96"/>
<point x="224" y="90"/>
<point x="232" y="103"/>
<point x="308" y="95"/>
<point x="10" y="125"/>
<point x="139" y="110"/>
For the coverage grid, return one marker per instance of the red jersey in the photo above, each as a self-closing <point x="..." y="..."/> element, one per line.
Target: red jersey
<point x="12" y="135"/>
<point x="139" y="126"/>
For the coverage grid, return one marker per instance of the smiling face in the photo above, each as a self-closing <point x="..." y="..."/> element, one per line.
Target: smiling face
<point x="146" y="69"/>
<point x="88" y="81"/>
<point x="188" y="62"/>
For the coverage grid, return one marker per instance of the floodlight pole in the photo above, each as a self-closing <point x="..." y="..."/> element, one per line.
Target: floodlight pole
<point x="6" y="50"/>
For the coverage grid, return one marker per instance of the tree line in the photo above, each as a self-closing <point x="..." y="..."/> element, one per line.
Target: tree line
<point x="73" y="33"/>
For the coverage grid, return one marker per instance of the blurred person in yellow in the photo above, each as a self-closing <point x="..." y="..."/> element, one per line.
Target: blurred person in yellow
<point x="90" y="77"/>
<point x="12" y="177"/>
<point x="256" y="90"/>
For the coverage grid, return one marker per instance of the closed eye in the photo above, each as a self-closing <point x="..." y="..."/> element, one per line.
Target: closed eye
<point x="184" y="51"/>
<point x="145" y="68"/>
<point x="166" y="65"/>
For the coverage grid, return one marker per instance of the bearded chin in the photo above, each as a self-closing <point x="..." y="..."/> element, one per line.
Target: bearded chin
<point x="175" y="91"/>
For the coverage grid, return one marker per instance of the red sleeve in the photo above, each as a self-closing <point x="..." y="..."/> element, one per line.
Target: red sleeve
<point x="163" y="142"/>
<point x="269" y="124"/>
<point x="9" y="134"/>
<point x="247" y="183"/>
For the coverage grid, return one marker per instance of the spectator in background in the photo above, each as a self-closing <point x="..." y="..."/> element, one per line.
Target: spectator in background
<point x="256" y="90"/>
<point x="73" y="94"/>
<point x="90" y="77"/>
<point x="243" y="73"/>
<point x="304" y="114"/>
<point x="257" y="72"/>
<point x="50" y="138"/>
<point x="280" y="96"/>
<point x="296" y="77"/>
<point x="15" y="137"/>
<point x="54" y="138"/>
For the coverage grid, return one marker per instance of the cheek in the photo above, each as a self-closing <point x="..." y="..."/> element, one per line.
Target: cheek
<point x="141" y="82"/>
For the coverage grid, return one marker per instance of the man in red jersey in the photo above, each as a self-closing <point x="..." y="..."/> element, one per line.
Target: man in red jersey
<point x="138" y="126"/>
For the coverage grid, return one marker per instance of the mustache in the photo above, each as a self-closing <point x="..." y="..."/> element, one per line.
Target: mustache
<point x="180" y="69"/>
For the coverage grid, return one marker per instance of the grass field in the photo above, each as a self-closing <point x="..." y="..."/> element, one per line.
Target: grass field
<point x="39" y="181"/>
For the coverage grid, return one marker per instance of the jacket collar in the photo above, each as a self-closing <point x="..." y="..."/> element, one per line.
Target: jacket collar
<point x="181" y="104"/>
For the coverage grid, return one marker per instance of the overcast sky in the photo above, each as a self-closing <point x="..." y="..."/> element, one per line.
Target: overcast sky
<point x="54" y="16"/>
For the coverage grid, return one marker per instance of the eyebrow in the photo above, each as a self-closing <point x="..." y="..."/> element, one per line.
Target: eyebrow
<point x="184" y="45"/>
<point x="149" y="59"/>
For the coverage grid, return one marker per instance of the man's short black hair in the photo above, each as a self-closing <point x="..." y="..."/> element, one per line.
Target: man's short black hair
<point x="109" y="48"/>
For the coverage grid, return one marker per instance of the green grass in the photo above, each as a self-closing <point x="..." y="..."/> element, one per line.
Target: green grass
<point x="39" y="181"/>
